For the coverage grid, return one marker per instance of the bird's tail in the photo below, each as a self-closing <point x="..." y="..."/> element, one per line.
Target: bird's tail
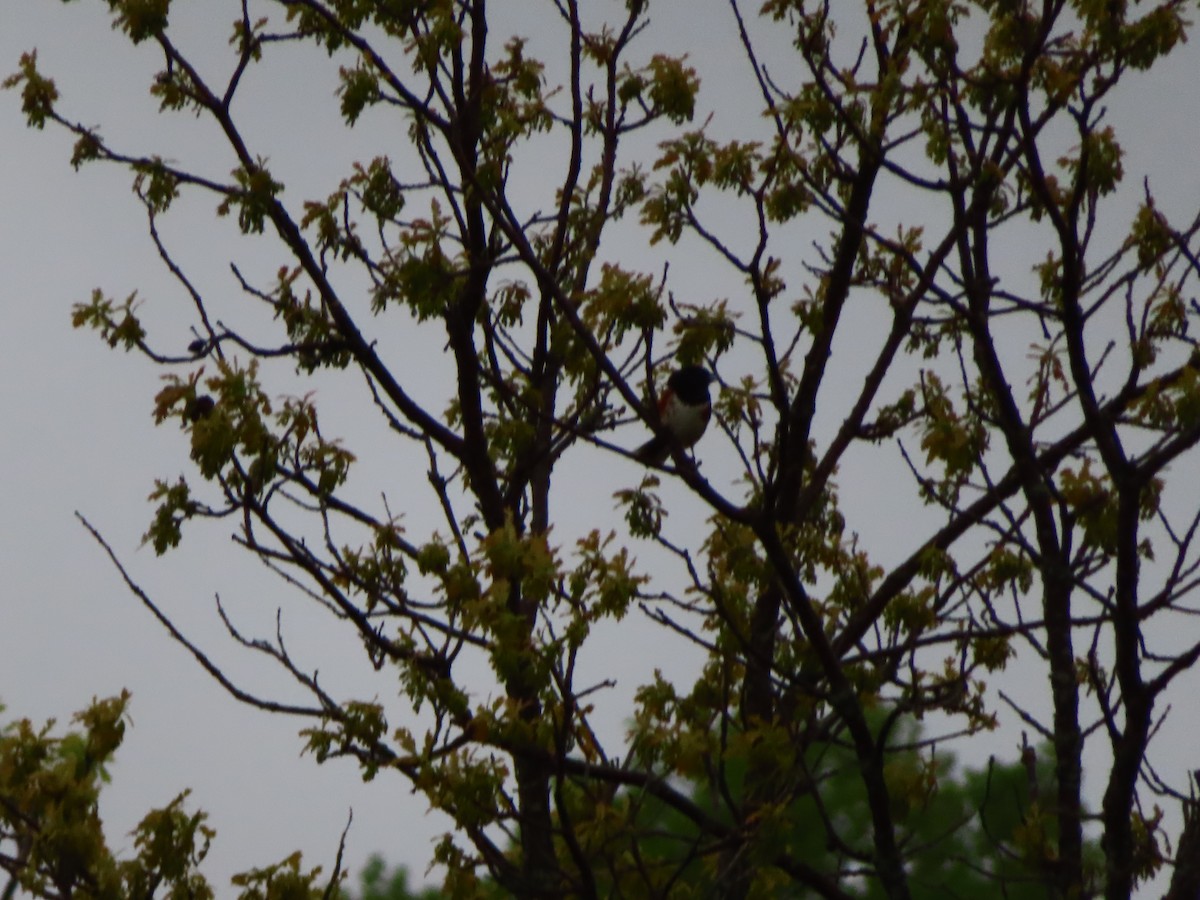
<point x="654" y="452"/>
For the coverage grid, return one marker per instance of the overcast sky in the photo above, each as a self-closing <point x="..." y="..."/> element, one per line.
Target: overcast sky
<point x="77" y="433"/>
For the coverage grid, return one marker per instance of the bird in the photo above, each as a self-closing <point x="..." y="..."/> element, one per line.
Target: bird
<point x="684" y="409"/>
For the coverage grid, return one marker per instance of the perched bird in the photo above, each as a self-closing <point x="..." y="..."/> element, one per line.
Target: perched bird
<point x="684" y="410"/>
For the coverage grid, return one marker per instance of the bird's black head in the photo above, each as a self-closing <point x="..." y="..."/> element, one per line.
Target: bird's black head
<point x="690" y="384"/>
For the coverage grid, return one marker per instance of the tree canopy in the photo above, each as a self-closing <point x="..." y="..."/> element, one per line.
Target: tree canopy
<point x="958" y="308"/>
<point x="983" y="829"/>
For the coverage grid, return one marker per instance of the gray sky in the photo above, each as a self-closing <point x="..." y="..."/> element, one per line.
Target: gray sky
<point x="78" y="434"/>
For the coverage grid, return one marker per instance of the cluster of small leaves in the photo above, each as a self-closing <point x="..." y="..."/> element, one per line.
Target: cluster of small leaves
<point x="1090" y="497"/>
<point x="1148" y="855"/>
<point x="49" y="816"/>
<point x="957" y="440"/>
<point x="512" y="108"/>
<point x="359" y="89"/>
<point x="140" y="19"/>
<point x="378" y="189"/>
<point x="117" y="323"/>
<point x="467" y="784"/>
<point x="668" y="208"/>
<point x="740" y="408"/>
<point x="379" y="570"/>
<point x="705" y="332"/>
<point x="88" y="147"/>
<point x="175" y="506"/>
<point x="621" y="302"/>
<point x="421" y="275"/>
<point x="284" y="879"/>
<point x="738" y="573"/>
<point x="644" y="511"/>
<point x="38" y="93"/>
<point x="673" y="732"/>
<point x="309" y="325"/>
<point x="355" y="724"/>
<point x="254" y="197"/>
<point x="155" y="182"/>
<point x="1172" y="405"/>
<point x="175" y="90"/>
<point x="525" y="559"/>
<point x="603" y="582"/>
<point x="667" y="86"/>
<point x="241" y="441"/>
